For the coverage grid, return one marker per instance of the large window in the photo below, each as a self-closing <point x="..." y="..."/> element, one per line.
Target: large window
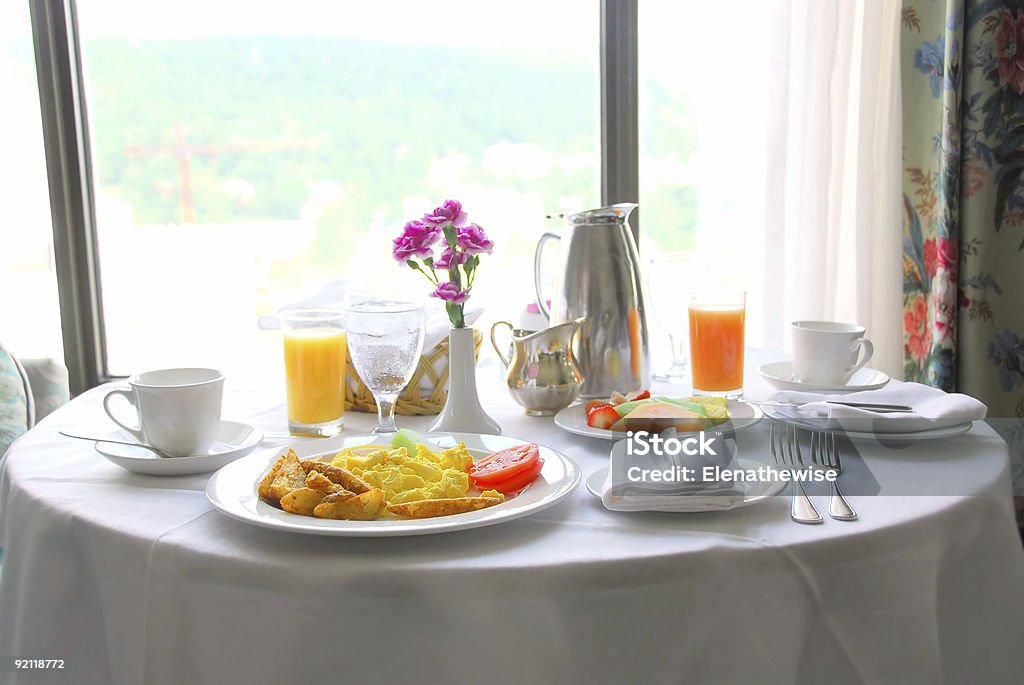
<point x="241" y="161"/>
<point x="704" y="77"/>
<point x="29" y="308"/>
<point x="244" y="160"/>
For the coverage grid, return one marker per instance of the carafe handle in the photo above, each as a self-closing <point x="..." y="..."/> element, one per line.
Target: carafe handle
<point x="541" y="302"/>
<point x="494" y="329"/>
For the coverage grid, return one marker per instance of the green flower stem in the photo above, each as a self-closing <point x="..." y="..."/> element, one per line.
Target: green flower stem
<point x="455" y="314"/>
<point x="432" y="277"/>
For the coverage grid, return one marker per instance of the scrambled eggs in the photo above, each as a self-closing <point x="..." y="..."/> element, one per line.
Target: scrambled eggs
<point x="410" y="478"/>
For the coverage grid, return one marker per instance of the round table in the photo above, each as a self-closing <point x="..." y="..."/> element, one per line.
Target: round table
<point x="136" y="579"/>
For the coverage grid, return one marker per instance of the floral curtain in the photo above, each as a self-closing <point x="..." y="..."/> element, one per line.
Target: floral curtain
<point x="963" y="243"/>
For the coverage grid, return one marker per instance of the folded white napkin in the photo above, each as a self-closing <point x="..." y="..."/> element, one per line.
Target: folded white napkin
<point x="933" y="408"/>
<point x="675" y="497"/>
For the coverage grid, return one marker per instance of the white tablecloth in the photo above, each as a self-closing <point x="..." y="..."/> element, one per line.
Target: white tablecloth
<point x="135" y="579"/>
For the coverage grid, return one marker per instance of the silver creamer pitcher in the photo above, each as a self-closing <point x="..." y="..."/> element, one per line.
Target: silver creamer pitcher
<point x="543" y="376"/>
<point x="600" y="281"/>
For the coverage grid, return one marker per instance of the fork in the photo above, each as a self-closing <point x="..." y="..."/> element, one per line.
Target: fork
<point x="784" y="448"/>
<point x="825" y="456"/>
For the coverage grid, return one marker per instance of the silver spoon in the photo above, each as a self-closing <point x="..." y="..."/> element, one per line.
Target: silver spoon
<point x="118" y="442"/>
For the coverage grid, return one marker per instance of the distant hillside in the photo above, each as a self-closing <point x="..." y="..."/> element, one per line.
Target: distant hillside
<point x="375" y="114"/>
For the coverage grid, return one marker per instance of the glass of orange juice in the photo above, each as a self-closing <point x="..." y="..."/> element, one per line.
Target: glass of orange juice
<point x="717" y="320"/>
<point x="314" y="366"/>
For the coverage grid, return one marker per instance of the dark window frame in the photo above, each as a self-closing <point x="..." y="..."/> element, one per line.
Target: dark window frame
<point x="66" y="144"/>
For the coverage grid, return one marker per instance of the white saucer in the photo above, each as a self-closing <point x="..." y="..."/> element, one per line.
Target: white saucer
<point x="234" y="440"/>
<point x="780" y="375"/>
<point x="758" y="492"/>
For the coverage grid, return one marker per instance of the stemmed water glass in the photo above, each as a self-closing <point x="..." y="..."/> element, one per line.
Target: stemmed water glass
<point x="670" y="276"/>
<point x="385" y="340"/>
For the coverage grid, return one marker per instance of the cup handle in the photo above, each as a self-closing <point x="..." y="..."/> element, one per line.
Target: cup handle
<point x="504" y="360"/>
<point x="136" y="431"/>
<point x="869" y="350"/>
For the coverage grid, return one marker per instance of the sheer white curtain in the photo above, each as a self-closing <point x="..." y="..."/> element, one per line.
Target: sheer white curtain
<point x="799" y="150"/>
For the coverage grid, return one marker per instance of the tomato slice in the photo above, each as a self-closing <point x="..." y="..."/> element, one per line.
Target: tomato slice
<point x="519" y="480"/>
<point x="505" y="464"/>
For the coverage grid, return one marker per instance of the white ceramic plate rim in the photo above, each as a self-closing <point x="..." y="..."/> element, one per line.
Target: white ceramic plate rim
<point x="573" y="419"/>
<point x="905" y="436"/>
<point x="778" y="374"/>
<point x="232" y="490"/>
<point x="771" y="488"/>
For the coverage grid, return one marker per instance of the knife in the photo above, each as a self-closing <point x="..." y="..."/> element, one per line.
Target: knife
<point x="867" y="406"/>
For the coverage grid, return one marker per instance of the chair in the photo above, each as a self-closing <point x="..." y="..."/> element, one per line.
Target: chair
<point x="29" y="391"/>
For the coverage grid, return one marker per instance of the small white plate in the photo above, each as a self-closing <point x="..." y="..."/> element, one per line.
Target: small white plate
<point x="866" y="425"/>
<point x="759" y="490"/>
<point x="780" y="375"/>
<point x="913" y="436"/>
<point x="233" y="489"/>
<point x="234" y="440"/>
<point x="890" y="435"/>
<point x="573" y="419"/>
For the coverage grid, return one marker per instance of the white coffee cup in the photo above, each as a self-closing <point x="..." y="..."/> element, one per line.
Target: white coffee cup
<point x="826" y="352"/>
<point x="178" y="410"/>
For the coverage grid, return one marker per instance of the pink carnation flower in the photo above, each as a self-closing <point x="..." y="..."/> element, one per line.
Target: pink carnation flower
<point x="473" y="240"/>
<point x="417" y="240"/>
<point x="449" y="258"/>
<point x="450" y="212"/>
<point x="449" y="292"/>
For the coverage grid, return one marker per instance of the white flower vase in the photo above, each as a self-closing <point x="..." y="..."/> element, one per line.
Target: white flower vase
<point x="462" y="412"/>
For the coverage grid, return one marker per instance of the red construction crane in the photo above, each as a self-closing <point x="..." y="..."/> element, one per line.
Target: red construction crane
<point x="183" y="152"/>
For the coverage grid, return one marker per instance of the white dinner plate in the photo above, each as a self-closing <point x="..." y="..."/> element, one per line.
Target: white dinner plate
<point x="234" y="440"/>
<point x="780" y="375"/>
<point x="759" y="490"/>
<point x="573" y="419"/>
<point x="232" y="490"/>
<point x="885" y="433"/>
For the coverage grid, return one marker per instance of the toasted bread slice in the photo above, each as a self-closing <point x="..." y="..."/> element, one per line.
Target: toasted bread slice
<point x="429" y="508"/>
<point x="344" y="505"/>
<point x="284" y="476"/>
<point x="336" y="474"/>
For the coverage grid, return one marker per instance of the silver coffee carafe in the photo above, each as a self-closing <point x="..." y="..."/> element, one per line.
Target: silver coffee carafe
<point x="599" y="281"/>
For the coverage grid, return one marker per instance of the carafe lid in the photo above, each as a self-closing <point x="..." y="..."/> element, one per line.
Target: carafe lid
<point x="615" y="214"/>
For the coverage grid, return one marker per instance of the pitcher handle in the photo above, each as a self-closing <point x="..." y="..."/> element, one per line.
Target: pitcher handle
<point x="541" y="302"/>
<point x="502" y="357"/>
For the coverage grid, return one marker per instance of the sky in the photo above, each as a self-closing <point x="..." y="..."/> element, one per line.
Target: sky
<point x="674" y="33"/>
<point x="503" y="24"/>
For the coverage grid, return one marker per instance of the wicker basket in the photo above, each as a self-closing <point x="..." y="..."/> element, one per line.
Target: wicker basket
<point x="414" y="400"/>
